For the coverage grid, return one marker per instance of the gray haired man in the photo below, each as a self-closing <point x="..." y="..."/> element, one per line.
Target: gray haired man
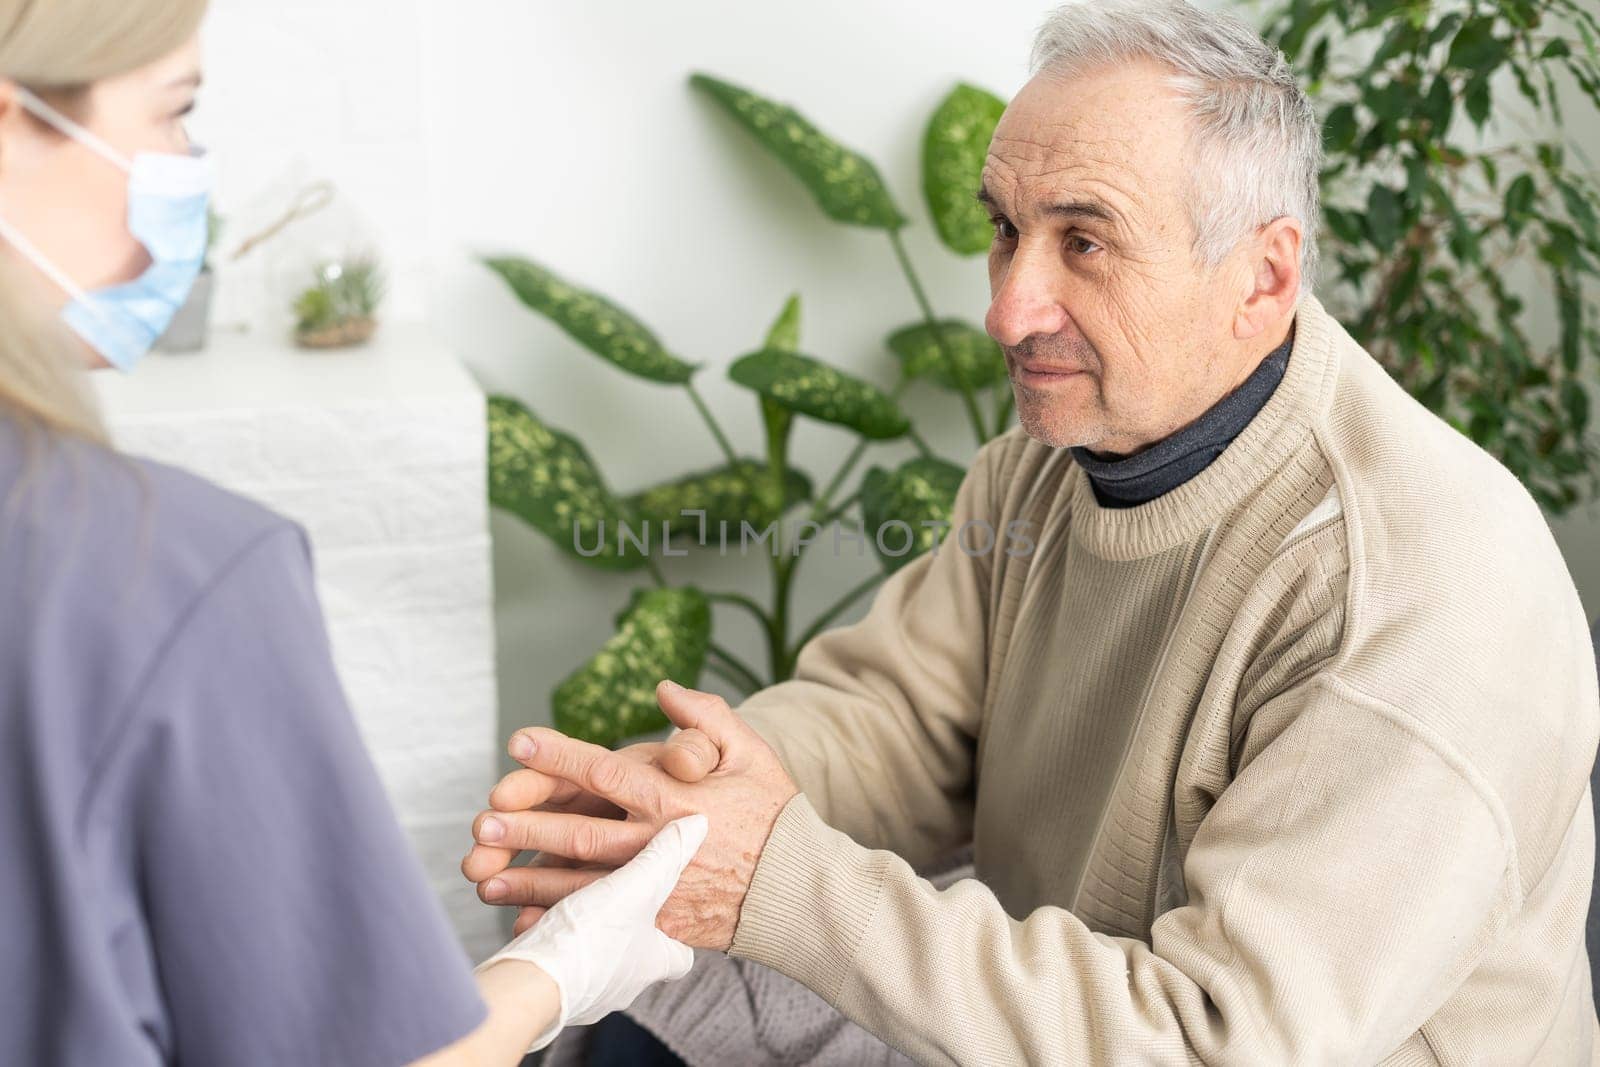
<point x="1275" y="747"/>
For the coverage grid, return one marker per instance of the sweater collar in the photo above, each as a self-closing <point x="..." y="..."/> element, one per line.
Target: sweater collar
<point x="1260" y="449"/>
<point x="1127" y="481"/>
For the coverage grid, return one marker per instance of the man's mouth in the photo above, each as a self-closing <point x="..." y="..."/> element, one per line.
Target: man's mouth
<point x="1036" y="374"/>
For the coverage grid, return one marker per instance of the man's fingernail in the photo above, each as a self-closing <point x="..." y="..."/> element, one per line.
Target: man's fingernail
<point x="494" y="889"/>
<point x="491" y="829"/>
<point x="673" y="687"/>
<point x="521" y="747"/>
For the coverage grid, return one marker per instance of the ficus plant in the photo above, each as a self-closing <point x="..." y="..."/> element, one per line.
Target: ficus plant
<point x="546" y="477"/>
<point x="1448" y="182"/>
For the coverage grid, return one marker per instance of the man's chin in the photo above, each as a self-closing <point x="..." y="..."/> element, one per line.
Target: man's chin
<point x="1048" y="421"/>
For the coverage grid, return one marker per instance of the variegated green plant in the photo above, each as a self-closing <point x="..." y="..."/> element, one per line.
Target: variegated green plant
<point x="663" y="633"/>
<point x="549" y="480"/>
<point x="903" y="509"/>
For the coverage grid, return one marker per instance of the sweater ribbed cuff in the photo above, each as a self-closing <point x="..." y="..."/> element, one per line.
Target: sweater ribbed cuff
<point x="810" y="902"/>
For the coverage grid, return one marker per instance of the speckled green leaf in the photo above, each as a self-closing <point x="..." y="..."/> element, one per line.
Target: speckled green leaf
<point x="963" y="358"/>
<point x="785" y="331"/>
<point x="735" y="494"/>
<point x="811" y="387"/>
<point x="547" y="479"/>
<point x="953" y="151"/>
<point x="663" y="633"/>
<point x="919" y="490"/>
<point x="845" y="183"/>
<point x="592" y="321"/>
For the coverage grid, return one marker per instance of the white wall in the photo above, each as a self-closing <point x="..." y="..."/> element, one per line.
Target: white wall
<point x="566" y="131"/>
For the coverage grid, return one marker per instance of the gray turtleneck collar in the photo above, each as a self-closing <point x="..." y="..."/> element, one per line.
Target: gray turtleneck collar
<point x="1124" y="482"/>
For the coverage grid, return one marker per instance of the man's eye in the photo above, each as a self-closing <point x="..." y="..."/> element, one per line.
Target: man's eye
<point x="1003" y="230"/>
<point x="1081" y="245"/>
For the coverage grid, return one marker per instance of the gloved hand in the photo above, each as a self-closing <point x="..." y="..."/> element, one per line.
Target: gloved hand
<point x="600" y="944"/>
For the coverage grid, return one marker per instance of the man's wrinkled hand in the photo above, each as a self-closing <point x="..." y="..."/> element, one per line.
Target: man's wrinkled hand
<point x="688" y="756"/>
<point x="741" y="797"/>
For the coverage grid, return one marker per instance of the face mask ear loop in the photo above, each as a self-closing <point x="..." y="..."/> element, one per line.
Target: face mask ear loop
<point x="14" y="237"/>
<point x="90" y="140"/>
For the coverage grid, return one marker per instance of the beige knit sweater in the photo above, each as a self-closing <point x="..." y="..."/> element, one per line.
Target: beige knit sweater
<point x="1287" y="766"/>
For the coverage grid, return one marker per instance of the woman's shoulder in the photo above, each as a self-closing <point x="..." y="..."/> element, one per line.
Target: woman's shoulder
<point x="103" y="556"/>
<point x="89" y="503"/>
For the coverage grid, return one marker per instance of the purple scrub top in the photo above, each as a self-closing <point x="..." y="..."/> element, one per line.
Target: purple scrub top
<point x="198" y="864"/>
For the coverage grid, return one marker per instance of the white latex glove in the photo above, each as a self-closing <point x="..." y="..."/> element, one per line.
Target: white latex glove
<point x="600" y="944"/>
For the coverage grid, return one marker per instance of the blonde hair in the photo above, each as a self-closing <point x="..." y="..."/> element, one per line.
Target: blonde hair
<point x="60" y="48"/>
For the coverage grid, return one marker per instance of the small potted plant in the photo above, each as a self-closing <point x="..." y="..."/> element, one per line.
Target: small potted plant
<point x="339" y="308"/>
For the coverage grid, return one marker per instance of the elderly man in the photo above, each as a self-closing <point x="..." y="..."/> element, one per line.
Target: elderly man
<point x="1272" y="747"/>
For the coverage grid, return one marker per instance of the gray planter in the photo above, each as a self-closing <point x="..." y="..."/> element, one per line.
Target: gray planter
<point x="187" y="333"/>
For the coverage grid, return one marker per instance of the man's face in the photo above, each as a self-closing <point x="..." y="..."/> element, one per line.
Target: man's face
<point x="1113" y="332"/>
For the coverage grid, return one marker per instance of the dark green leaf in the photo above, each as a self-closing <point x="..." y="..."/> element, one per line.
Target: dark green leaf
<point x="1491" y="173"/>
<point x="1304" y="17"/>
<point x="785" y="330"/>
<point x="1478" y="101"/>
<point x="1390" y="101"/>
<point x="895" y="505"/>
<point x="1476" y="48"/>
<point x="1524" y="85"/>
<point x="1378" y="139"/>
<point x="963" y="358"/>
<point x="663" y="633"/>
<point x="1575" y="398"/>
<point x="1519" y="199"/>
<point x="734" y="494"/>
<point x="1383" y="217"/>
<point x="1346" y="225"/>
<point x="1463" y="240"/>
<point x="1401" y="36"/>
<point x="1439" y="107"/>
<point x="1416" y="181"/>
<point x="1581" y="209"/>
<point x="1446" y="27"/>
<point x="1318" y="64"/>
<point x="547" y="479"/>
<point x="845" y="183"/>
<point x="1341" y="128"/>
<point x="953" y="151"/>
<point x="1569" y="303"/>
<point x="593" y="321"/>
<point x="1556" y="49"/>
<point x="810" y="387"/>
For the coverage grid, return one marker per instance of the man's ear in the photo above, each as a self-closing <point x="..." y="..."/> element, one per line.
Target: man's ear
<point x="1274" y="278"/>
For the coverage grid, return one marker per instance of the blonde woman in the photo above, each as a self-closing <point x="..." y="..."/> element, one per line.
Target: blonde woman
<point x="197" y="864"/>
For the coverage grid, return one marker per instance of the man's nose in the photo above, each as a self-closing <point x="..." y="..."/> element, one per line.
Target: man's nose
<point x="1027" y="301"/>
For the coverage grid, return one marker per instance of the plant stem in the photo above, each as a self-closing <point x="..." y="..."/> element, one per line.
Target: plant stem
<point x="1004" y="398"/>
<point x="728" y="675"/>
<point x="728" y="661"/>
<point x="922" y="446"/>
<point x="655" y="571"/>
<point x="837" y="480"/>
<point x="778" y="422"/>
<point x="745" y="602"/>
<point x="841" y="507"/>
<point x="839" y="607"/>
<point x="933" y="330"/>
<point x="777" y="643"/>
<point x="711" y="422"/>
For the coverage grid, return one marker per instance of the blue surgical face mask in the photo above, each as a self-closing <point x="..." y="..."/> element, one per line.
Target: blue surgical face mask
<point x="167" y="200"/>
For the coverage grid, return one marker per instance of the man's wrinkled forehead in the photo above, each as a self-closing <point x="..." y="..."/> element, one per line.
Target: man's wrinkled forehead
<point x="1113" y="137"/>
